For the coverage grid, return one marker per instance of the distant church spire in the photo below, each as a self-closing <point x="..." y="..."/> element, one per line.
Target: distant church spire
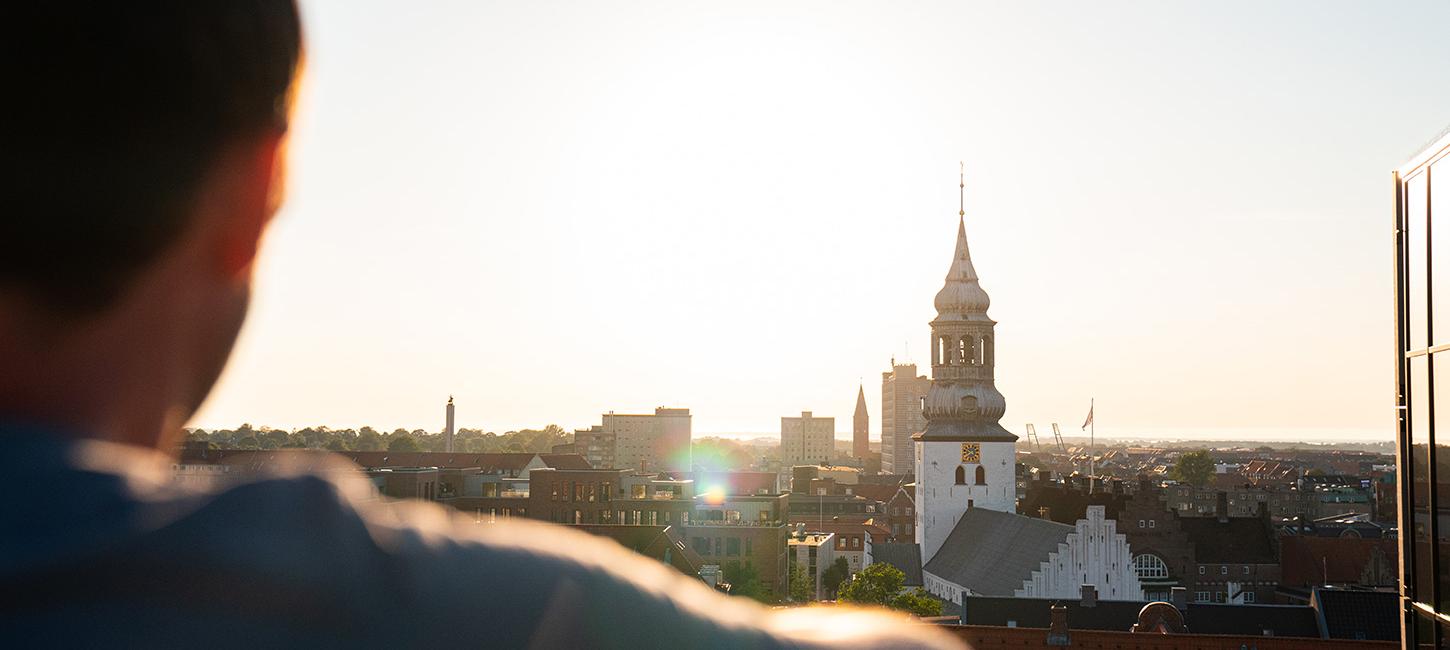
<point x="861" y="427"/>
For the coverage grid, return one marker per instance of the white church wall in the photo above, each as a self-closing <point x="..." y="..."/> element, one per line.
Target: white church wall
<point x="941" y="501"/>
<point x="943" y="589"/>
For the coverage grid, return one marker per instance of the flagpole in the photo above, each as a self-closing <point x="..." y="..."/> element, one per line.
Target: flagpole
<point x="1092" y="443"/>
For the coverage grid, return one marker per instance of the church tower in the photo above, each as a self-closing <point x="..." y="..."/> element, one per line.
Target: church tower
<point x="861" y="427"/>
<point x="964" y="458"/>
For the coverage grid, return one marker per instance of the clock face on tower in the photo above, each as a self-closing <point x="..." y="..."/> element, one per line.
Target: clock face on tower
<point x="971" y="452"/>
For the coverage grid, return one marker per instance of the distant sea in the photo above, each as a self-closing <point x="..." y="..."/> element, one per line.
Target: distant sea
<point x="1247" y="434"/>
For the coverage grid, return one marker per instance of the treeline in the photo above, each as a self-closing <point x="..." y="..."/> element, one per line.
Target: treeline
<point x="369" y="439"/>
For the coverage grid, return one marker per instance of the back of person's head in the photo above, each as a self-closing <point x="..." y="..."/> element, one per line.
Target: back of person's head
<point x="115" y="113"/>
<point x="142" y="150"/>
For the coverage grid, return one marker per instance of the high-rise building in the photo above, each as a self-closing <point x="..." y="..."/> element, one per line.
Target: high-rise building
<point x="448" y="426"/>
<point x="902" y="391"/>
<point x="860" y="427"/>
<point x="596" y="446"/>
<point x="806" y="440"/>
<point x="964" y="458"/>
<point x="651" y="443"/>
<point x="1422" y="332"/>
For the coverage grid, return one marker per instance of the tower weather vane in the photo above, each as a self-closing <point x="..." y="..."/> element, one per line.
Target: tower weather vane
<point x="962" y="189"/>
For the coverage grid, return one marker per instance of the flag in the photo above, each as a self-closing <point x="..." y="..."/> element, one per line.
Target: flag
<point x="1089" y="419"/>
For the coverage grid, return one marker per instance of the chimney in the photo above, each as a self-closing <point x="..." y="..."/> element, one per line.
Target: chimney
<point x="1089" y="595"/>
<point x="1179" y="598"/>
<point x="1057" y="633"/>
<point x="1222" y="507"/>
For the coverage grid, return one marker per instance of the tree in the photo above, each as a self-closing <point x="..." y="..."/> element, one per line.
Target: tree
<point x="880" y="584"/>
<point x="404" y="442"/>
<point x="802" y="586"/>
<point x="874" y="585"/>
<point x="1193" y="468"/>
<point x="917" y="602"/>
<point x="745" y="581"/>
<point x="834" y="575"/>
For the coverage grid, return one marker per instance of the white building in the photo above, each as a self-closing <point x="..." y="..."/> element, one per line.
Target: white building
<point x="964" y="458"/>
<point x="992" y="553"/>
<point x="652" y="443"/>
<point x="806" y="440"/>
<point x="814" y="552"/>
<point x="1095" y="549"/>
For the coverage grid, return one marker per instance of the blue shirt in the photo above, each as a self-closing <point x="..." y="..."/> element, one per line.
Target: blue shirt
<point x="100" y="548"/>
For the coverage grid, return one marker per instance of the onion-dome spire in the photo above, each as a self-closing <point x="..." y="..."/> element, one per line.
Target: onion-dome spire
<point x="962" y="297"/>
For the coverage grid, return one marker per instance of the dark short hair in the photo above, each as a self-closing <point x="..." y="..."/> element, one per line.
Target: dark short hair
<point x="114" y="112"/>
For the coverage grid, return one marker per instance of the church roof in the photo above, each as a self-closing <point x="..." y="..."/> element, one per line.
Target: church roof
<point x="965" y="431"/>
<point x="902" y="555"/>
<point x="992" y="553"/>
<point x="860" y="401"/>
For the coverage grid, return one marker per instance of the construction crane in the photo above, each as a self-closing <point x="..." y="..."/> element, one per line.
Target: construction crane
<point x="1032" y="438"/>
<point x="1057" y="433"/>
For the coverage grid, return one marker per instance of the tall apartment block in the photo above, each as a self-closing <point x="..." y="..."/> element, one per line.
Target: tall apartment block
<point x="902" y="391"/>
<point x="596" y="447"/>
<point x="651" y="443"/>
<point x="806" y="440"/>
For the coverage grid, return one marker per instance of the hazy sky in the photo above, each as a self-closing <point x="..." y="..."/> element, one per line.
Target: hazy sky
<point x="552" y="210"/>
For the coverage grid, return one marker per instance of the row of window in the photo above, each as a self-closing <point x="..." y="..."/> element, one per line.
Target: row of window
<point x="1222" y="570"/>
<point x="1222" y="597"/>
<point x="492" y="514"/>
<point x="582" y="492"/>
<point x="631" y="517"/>
<point x="723" y="546"/>
<point x="962" y="475"/>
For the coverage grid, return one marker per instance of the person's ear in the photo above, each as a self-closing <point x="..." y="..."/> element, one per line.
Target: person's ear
<point x="254" y="178"/>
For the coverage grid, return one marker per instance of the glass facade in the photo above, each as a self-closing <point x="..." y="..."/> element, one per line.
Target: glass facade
<point x="1422" y="357"/>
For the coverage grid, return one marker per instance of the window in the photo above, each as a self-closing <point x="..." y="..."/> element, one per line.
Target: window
<point x="961" y="475"/>
<point x="1246" y="570"/>
<point x="1202" y="570"/>
<point x="1140" y="523"/>
<point x="1152" y="523"/>
<point x="981" y="475"/>
<point x="1250" y="597"/>
<point x="1223" y="570"/>
<point x="732" y="547"/>
<point x="908" y="512"/>
<point x="749" y="547"/>
<point x="1148" y="565"/>
<point x="1202" y="596"/>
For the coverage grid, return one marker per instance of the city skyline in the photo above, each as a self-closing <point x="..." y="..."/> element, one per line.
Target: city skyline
<point x="1178" y="261"/>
